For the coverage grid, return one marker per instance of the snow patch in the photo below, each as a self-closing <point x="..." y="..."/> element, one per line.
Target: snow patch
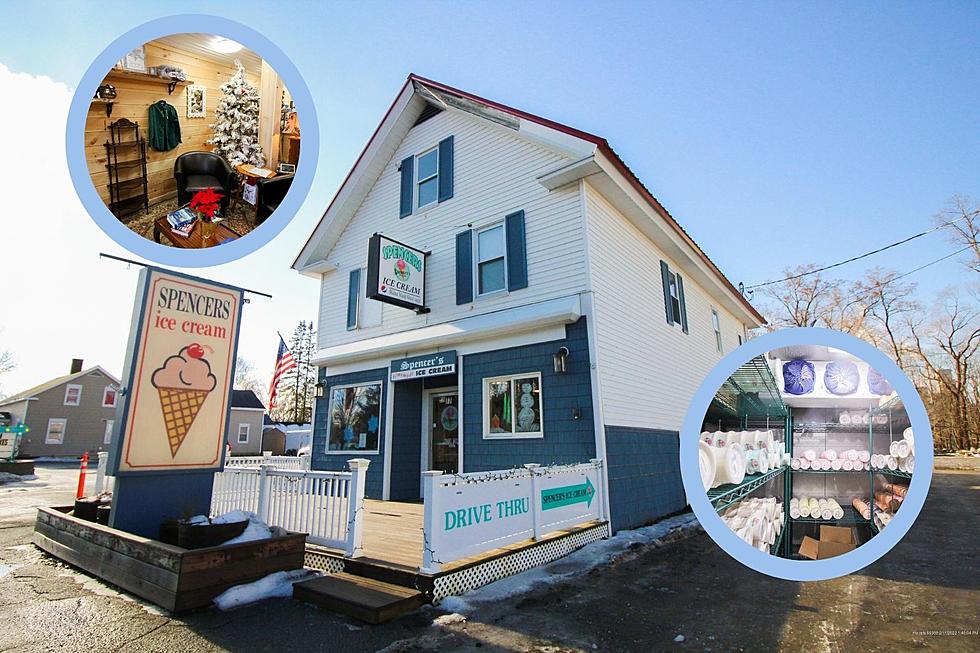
<point x="575" y="564"/>
<point x="6" y="569"/>
<point x="277" y="585"/>
<point x="449" y="619"/>
<point x="256" y="529"/>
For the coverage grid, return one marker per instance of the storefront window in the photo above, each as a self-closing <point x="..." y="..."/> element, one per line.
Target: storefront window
<point x="355" y="415"/>
<point x="512" y="407"/>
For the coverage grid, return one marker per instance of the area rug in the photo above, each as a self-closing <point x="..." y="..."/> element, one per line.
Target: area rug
<point x="241" y="218"/>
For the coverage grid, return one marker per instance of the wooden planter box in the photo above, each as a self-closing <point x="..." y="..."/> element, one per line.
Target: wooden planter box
<point x="174" y="578"/>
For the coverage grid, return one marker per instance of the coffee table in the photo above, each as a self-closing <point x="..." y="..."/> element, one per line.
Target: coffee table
<point x="222" y="233"/>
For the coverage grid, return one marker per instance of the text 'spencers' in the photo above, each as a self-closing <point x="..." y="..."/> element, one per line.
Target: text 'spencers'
<point x="396" y="273"/>
<point x="178" y="375"/>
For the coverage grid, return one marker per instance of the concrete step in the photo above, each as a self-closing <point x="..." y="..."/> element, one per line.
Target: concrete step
<point x="367" y="599"/>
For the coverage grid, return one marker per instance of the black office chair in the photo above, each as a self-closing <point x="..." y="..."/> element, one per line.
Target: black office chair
<point x="270" y="194"/>
<point x="195" y="171"/>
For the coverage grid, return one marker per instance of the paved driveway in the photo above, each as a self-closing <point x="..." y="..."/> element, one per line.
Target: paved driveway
<point x="929" y="582"/>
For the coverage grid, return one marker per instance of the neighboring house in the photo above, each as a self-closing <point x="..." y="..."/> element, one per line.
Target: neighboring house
<point x="68" y="415"/>
<point x="567" y="315"/>
<point x="245" y="425"/>
<point x="286" y="437"/>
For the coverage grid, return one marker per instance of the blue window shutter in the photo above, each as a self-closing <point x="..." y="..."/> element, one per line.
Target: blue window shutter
<point x="665" y="274"/>
<point x="516" y="251"/>
<point x="408" y="180"/>
<point x="353" y="293"/>
<point x="464" y="267"/>
<point x="680" y="298"/>
<point x="445" y="169"/>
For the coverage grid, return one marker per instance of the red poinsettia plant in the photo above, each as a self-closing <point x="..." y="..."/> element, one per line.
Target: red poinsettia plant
<point x="206" y="203"/>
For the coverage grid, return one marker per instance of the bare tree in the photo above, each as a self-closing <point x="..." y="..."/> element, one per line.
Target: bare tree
<point x="949" y="351"/>
<point x="7" y="364"/>
<point x="963" y="216"/>
<point x="803" y="300"/>
<point x="247" y="379"/>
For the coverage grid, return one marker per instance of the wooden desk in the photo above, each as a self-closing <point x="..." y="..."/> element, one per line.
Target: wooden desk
<point x="222" y="233"/>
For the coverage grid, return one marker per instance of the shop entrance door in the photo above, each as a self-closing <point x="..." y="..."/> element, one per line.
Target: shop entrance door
<point x="444" y="432"/>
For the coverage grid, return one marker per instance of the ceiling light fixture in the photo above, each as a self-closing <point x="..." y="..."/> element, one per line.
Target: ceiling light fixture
<point x="225" y="45"/>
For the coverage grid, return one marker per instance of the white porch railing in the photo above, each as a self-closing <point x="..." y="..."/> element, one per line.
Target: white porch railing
<point x="279" y="462"/>
<point x="103" y="483"/>
<point x="469" y="514"/>
<point x="329" y="506"/>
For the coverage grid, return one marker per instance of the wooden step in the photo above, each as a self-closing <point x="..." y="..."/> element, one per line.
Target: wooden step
<point x="383" y="571"/>
<point x="367" y="599"/>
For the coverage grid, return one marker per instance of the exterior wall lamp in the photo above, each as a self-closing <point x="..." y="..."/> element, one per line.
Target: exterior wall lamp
<point x="319" y="390"/>
<point x="560" y="360"/>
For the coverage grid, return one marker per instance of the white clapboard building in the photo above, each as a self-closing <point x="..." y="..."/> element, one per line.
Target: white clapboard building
<point x="498" y="289"/>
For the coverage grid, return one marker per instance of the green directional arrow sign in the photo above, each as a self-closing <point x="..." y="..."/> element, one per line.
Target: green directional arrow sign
<point x="568" y="495"/>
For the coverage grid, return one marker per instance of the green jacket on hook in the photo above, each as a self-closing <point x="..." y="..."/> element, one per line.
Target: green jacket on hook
<point x="164" y="126"/>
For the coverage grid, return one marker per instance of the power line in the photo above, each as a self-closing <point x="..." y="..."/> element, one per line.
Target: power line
<point x="914" y="270"/>
<point x="857" y="258"/>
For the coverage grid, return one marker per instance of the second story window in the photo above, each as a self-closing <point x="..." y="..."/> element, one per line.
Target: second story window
<point x="676" y="307"/>
<point x="427" y="177"/>
<point x="716" y="325"/>
<point x="109" y="397"/>
<point x="491" y="260"/>
<point x="73" y="395"/>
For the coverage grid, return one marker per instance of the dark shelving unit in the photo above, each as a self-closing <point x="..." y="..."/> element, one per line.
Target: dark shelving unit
<point x="126" y="163"/>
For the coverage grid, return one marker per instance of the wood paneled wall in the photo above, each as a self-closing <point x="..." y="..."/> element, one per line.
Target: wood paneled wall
<point x="133" y="100"/>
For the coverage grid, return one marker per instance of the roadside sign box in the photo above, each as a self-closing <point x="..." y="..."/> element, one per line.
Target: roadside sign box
<point x="834" y="541"/>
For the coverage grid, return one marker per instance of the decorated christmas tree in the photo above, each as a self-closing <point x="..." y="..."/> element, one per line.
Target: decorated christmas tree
<point x="236" y="130"/>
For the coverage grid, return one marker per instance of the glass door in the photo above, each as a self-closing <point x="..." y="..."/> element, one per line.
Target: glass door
<point x="444" y="412"/>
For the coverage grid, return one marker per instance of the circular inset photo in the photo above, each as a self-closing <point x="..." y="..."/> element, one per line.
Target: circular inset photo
<point x="181" y="142"/>
<point x="806" y="452"/>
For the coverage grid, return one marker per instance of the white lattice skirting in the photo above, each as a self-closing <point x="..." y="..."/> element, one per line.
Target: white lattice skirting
<point x="324" y="563"/>
<point x="484" y="573"/>
<point x="456" y="583"/>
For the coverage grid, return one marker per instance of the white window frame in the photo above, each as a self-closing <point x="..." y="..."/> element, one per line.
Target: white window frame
<point x="107" y="437"/>
<point x="513" y="435"/>
<point x="248" y="429"/>
<point x="64" y="427"/>
<point x="381" y="406"/>
<point x="477" y="261"/>
<point x="68" y="389"/>
<point x="115" y="396"/>
<point x="674" y="294"/>
<point x="716" y="325"/>
<point x="369" y="311"/>
<point x="418" y="182"/>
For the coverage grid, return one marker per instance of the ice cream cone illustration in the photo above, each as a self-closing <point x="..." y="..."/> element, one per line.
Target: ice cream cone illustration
<point x="184" y="382"/>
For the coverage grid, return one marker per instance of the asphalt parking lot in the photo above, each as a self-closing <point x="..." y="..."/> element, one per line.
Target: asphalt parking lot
<point x="922" y="595"/>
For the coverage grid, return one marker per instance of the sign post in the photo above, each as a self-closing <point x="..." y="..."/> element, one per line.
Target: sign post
<point x="171" y="424"/>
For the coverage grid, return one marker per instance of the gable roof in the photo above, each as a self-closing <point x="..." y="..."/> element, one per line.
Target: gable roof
<point x="245" y="399"/>
<point x="54" y="383"/>
<point x="418" y="92"/>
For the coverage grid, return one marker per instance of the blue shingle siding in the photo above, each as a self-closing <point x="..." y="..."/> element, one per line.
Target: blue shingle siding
<point x="644" y="475"/>
<point x="338" y="462"/>
<point x="406" y="438"/>
<point x="566" y="440"/>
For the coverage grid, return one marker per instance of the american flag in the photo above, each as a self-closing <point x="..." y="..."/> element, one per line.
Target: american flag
<point x="284" y="363"/>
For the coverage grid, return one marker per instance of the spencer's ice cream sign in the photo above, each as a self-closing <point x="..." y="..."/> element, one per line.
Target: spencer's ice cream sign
<point x="396" y="273"/>
<point x="179" y="373"/>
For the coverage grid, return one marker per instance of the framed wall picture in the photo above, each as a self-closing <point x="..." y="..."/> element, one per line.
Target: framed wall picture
<point x="197" y="101"/>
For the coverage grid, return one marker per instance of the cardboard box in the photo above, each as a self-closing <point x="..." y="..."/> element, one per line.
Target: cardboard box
<point x="834" y="541"/>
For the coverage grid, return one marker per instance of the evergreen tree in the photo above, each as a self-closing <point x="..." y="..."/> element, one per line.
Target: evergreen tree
<point x="236" y="130"/>
<point x="296" y="388"/>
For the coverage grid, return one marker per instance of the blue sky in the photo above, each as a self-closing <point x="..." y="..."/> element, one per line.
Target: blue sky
<point x="776" y="133"/>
